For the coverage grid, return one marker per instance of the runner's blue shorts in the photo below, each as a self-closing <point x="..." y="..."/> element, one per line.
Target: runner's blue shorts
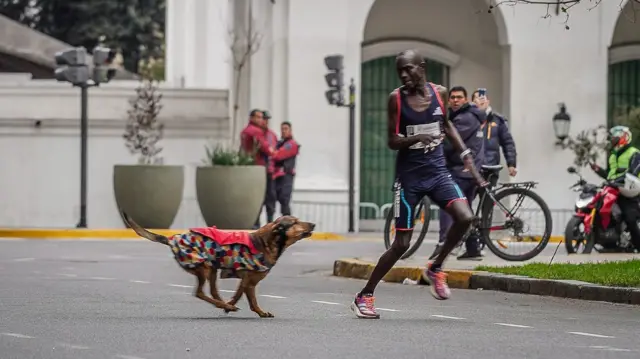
<point x="441" y="190"/>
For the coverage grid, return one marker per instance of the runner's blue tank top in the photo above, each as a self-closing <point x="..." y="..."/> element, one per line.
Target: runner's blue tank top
<point x="413" y="164"/>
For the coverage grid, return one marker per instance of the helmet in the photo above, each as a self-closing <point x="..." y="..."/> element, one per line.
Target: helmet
<point x="620" y="136"/>
<point x="631" y="187"/>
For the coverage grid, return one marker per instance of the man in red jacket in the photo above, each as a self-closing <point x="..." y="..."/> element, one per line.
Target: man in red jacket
<point x="270" y="193"/>
<point x="253" y="139"/>
<point x="285" y="167"/>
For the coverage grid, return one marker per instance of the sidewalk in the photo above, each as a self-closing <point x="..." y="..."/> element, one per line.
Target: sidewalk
<point x="491" y="260"/>
<point x="461" y="275"/>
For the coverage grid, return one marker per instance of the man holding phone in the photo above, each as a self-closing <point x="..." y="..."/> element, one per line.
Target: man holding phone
<point x="496" y="134"/>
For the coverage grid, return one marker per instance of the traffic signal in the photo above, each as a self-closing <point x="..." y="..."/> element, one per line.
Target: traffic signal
<point x="102" y="60"/>
<point x="334" y="79"/>
<point x="71" y="66"/>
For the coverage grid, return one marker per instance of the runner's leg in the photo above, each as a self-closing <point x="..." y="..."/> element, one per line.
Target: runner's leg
<point x="363" y="304"/>
<point x="448" y="196"/>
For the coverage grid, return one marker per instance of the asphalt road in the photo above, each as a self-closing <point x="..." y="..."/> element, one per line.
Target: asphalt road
<point x="128" y="300"/>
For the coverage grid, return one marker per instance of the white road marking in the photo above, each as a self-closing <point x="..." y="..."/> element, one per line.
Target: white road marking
<point x="590" y="335"/>
<point x="24" y="259"/>
<point x="387" y="310"/>
<point x="16" y="335"/>
<point x="180" y="285"/>
<point x="68" y="275"/>
<point x="513" y="325"/>
<point x="140" y="281"/>
<point x="226" y="291"/>
<point x="604" y="347"/>
<point x="446" y="317"/>
<point x="323" y="302"/>
<point x="272" y="296"/>
<point x="72" y="346"/>
<point x="127" y="357"/>
<point x="101" y="278"/>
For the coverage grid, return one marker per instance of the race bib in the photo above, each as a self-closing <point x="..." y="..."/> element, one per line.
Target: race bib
<point x="432" y="129"/>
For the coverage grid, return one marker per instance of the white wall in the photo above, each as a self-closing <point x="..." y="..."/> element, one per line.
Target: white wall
<point x="550" y="65"/>
<point x="528" y="63"/>
<point x="40" y="182"/>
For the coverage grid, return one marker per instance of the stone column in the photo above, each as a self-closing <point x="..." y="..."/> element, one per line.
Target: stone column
<point x="197" y="53"/>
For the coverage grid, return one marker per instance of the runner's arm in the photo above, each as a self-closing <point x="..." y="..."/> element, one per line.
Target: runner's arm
<point x="394" y="140"/>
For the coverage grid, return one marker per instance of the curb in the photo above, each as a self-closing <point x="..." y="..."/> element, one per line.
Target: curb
<point x="115" y="234"/>
<point x="552" y="239"/>
<point x="462" y="279"/>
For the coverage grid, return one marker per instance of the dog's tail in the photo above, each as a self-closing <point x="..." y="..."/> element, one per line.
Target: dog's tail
<point x="143" y="232"/>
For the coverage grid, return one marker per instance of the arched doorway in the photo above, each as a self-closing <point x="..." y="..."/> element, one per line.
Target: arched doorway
<point x="624" y="72"/>
<point x="470" y="55"/>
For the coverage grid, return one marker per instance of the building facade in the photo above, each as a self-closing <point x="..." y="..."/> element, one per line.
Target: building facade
<point x="529" y="64"/>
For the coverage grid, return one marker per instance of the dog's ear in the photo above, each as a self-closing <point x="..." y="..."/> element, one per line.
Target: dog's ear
<point x="283" y="225"/>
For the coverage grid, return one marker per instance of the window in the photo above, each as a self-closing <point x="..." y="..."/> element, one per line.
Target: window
<point x="624" y="96"/>
<point x="377" y="161"/>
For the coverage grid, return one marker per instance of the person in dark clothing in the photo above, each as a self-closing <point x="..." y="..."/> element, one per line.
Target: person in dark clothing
<point x="497" y="135"/>
<point x="284" y="158"/>
<point x="468" y="120"/>
<point x="269" y="202"/>
<point x="416" y="125"/>
<point x="623" y="158"/>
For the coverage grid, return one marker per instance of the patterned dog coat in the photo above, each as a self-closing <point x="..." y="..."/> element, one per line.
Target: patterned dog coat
<point x="227" y="251"/>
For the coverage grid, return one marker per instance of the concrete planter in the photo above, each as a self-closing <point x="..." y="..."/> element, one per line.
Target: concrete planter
<point x="230" y="197"/>
<point x="150" y="194"/>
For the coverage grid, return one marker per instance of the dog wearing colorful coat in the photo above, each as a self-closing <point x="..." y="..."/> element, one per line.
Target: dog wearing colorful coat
<point x="237" y="254"/>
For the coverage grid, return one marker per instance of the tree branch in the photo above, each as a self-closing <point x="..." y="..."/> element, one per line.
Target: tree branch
<point x="563" y="6"/>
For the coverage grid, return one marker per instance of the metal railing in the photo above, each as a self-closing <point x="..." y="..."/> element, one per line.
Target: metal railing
<point x="334" y="216"/>
<point x="328" y="216"/>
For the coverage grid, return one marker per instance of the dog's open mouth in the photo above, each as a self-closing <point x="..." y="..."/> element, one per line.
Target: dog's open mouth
<point x="307" y="234"/>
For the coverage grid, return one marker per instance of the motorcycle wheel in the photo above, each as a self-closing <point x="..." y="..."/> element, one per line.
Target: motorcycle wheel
<point x="574" y="236"/>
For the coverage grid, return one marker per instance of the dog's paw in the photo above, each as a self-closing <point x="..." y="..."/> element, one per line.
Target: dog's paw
<point x="266" y="315"/>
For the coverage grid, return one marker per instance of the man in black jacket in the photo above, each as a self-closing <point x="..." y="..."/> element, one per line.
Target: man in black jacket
<point x="496" y="134"/>
<point x="468" y="120"/>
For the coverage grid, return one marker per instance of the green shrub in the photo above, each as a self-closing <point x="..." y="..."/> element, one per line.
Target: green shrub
<point x="221" y="156"/>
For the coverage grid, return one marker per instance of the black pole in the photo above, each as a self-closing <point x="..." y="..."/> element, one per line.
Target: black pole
<point x="84" y="94"/>
<point x="352" y="155"/>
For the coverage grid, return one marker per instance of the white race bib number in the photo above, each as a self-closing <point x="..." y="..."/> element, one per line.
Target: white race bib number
<point x="432" y="129"/>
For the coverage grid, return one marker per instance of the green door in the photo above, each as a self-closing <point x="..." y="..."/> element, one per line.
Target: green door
<point x="624" y="96"/>
<point x="377" y="161"/>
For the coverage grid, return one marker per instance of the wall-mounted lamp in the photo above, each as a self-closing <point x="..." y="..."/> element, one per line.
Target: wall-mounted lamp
<point x="561" y="124"/>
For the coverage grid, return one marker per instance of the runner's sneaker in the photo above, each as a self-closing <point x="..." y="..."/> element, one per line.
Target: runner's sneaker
<point x="438" y="282"/>
<point x="364" y="306"/>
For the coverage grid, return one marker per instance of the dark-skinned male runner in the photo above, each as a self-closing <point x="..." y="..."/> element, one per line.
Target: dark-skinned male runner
<point x="416" y="116"/>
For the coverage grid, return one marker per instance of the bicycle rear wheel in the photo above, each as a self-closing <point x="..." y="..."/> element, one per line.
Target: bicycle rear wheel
<point x="514" y="223"/>
<point x="423" y="217"/>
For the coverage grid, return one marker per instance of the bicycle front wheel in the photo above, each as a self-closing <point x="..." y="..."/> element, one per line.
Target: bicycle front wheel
<point x="514" y="223"/>
<point x="421" y="223"/>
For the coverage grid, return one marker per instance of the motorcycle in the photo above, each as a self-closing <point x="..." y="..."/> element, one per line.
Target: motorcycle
<point x="597" y="222"/>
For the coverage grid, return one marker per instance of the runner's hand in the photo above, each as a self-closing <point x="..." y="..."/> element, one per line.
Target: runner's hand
<point x="426" y="138"/>
<point x="469" y="166"/>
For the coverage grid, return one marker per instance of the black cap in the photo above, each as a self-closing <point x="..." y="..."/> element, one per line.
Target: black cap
<point x="266" y="114"/>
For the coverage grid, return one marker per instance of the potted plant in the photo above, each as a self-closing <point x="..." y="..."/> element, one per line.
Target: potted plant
<point x="149" y="191"/>
<point x="230" y="188"/>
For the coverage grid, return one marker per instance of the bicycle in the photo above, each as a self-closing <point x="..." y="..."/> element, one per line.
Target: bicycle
<point x="489" y="198"/>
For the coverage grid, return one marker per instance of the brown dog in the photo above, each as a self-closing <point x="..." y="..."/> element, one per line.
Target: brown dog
<point x="248" y="256"/>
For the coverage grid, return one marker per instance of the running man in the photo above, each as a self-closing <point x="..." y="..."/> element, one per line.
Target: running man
<point x="416" y="120"/>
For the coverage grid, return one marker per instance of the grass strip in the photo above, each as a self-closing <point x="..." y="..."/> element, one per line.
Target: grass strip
<point x="616" y="274"/>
